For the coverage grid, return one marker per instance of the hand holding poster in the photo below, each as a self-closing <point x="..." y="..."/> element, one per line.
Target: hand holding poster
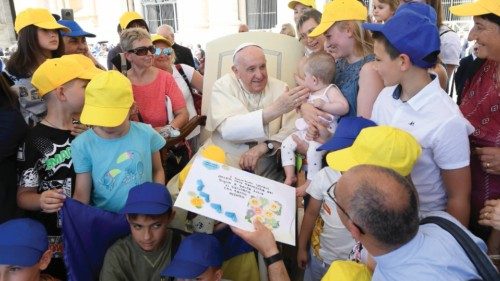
<point x="238" y="198"/>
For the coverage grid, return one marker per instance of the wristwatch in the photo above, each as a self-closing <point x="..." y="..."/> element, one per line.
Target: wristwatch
<point x="270" y="145"/>
<point x="272" y="259"/>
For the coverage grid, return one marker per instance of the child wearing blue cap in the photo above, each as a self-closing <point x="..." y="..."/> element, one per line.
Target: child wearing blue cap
<point x="200" y="257"/>
<point x="320" y="244"/>
<point x="405" y="47"/>
<point x="24" y="250"/>
<point x="147" y="250"/>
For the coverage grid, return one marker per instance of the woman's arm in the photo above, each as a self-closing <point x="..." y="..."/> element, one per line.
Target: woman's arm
<point x="370" y="85"/>
<point x="197" y="81"/>
<point x="181" y="117"/>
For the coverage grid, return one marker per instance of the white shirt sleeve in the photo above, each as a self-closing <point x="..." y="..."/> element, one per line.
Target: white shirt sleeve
<point x="450" y="47"/>
<point x="243" y="127"/>
<point x="451" y="149"/>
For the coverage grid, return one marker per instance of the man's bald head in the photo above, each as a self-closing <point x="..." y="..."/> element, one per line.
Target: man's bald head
<point x="249" y="65"/>
<point x="166" y="31"/>
<point x="382" y="202"/>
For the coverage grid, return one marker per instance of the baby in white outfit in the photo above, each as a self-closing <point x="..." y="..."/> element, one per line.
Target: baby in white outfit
<point x="319" y="70"/>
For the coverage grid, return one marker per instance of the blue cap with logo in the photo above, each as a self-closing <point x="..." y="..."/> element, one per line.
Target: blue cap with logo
<point x="148" y="199"/>
<point x="22" y="242"/>
<point x="347" y="131"/>
<point x="76" y="29"/>
<point x="195" y="255"/>
<point x="412" y="34"/>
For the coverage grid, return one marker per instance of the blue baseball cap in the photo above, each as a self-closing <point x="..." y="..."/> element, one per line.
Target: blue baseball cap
<point x="76" y="30"/>
<point x="22" y="242"/>
<point x="195" y="255"/>
<point x="421" y="9"/>
<point x="347" y="131"/>
<point x="148" y="199"/>
<point x="412" y="34"/>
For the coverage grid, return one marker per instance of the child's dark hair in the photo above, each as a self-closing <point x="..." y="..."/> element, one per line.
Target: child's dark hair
<point x="154" y="217"/>
<point x="389" y="48"/>
<point x="8" y="99"/>
<point x="491" y="17"/>
<point x="24" y="61"/>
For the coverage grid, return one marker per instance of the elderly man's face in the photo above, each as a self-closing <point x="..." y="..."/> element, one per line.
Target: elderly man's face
<point x="250" y="68"/>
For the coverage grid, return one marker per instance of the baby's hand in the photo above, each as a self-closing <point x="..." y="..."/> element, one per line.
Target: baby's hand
<point x="318" y="103"/>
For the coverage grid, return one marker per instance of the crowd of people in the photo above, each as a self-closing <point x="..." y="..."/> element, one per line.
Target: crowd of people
<point x="396" y="170"/>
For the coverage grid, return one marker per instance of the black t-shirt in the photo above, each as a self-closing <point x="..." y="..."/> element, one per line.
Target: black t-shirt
<point x="45" y="163"/>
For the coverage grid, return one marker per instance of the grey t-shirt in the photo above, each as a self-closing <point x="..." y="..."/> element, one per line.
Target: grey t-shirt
<point x="125" y="260"/>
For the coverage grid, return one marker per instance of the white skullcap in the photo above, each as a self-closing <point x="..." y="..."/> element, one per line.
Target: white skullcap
<point x="242" y="46"/>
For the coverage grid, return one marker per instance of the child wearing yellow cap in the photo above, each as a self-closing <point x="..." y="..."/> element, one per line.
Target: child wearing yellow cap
<point x="39" y="39"/>
<point x="116" y="154"/>
<point x="46" y="171"/>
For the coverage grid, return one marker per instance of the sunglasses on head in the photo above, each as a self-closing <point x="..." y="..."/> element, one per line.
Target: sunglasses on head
<point x="163" y="51"/>
<point x="142" y="51"/>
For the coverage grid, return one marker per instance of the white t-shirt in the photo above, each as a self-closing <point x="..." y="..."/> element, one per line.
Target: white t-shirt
<point x="450" y="46"/>
<point x="435" y="120"/>
<point x="188" y="70"/>
<point x="335" y="241"/>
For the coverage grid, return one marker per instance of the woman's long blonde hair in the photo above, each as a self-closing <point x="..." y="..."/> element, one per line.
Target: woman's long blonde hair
<point x="364" y="40"/>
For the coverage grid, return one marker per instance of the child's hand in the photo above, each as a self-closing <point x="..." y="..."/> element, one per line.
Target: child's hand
<point x="302" y="258"/>
<point x="78" y="129"/>
<point x="52" y="200"/>
<point x="318" y="103"/>
<point x="301" y="191"/>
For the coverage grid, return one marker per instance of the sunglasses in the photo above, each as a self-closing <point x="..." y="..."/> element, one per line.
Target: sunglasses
<point x="163" y="51"/>
<point x="142" y="51"/>
<point x="331" y="194"/>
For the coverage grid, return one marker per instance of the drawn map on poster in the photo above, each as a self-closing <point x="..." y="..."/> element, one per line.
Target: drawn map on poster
<point x="238" y="198"/>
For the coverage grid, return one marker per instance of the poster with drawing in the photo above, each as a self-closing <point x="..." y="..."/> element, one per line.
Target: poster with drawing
<point x="238" y="198"/>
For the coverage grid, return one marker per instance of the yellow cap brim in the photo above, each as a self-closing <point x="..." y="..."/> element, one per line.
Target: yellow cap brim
<point x="52" y="25"/>
<point x="321" y="28"/>
<point x="103" y="116"/>
<point x="341" y="160"/>
<point x="469" y="9"/>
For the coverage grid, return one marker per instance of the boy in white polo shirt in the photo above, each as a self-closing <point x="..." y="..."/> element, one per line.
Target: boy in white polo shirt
<point x="405" y="47"/>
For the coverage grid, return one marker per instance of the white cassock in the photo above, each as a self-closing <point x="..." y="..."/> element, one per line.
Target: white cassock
<point x="235" y="119"/>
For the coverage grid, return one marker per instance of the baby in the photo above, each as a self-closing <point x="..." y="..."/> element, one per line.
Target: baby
<point x="319" y="70"/>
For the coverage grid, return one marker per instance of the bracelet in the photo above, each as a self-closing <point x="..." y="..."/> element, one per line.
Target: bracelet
<point x="272" y="259"/>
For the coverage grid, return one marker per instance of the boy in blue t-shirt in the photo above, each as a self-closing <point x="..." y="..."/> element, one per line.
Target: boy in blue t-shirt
<point x="117" y="154"/>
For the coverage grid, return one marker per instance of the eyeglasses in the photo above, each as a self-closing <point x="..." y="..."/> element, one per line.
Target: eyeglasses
<point x="163" y="51"/>
<point x="331" y="194"/>
<point x="142" y="51"/>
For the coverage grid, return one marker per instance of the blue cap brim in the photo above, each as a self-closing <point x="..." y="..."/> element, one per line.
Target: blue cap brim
<point x="145" y="208"/>
<point x="183" y="269"/>
<point x="336" y="143"/>
<point x="78" y="34"/>
<point x="18" y="255"/>
<point x="373" y="26"/>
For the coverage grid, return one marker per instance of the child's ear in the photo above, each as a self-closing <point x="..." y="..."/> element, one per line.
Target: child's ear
<point x="315" y="79"/>
<point x="59" y="93"/>
<point x="45" y="260"/>
<point x="218" y="274"/>
<point x="405" y="62"/>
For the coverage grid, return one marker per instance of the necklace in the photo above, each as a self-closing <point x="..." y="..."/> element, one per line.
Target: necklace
<point x="249" y="98"/>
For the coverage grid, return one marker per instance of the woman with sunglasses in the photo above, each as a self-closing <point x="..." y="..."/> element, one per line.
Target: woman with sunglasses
<point x="187" y="80"/>
<point x="151" y="86"/>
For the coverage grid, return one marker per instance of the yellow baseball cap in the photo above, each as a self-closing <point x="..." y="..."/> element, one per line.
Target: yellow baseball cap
<point x="347" y="271"/>
<point x="339" y="10"/>
<point x="308" y="3"/>
<point x="127" y="17"/>
<point x="158" y="37"/>
<point x="480" y="7"/>
<point x="211" y="152"/>
<point x="39" y="17"/>
<point x="55" y="72"/>
<point x="381" y="146"/>
<point x="108" y="98"/>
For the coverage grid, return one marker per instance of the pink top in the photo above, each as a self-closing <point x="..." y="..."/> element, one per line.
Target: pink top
<point x="150" y="99"/>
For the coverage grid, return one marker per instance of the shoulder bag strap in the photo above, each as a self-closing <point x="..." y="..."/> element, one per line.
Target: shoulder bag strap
<point x="483" y="265"/>
<point x="184" y="76"/>
<point x="123" y="64"/>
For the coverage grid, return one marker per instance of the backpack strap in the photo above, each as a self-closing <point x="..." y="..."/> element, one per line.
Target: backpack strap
<point x="483" y="265"/>
<point x="446" y="31"/>
<point x="184" y="76"/>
